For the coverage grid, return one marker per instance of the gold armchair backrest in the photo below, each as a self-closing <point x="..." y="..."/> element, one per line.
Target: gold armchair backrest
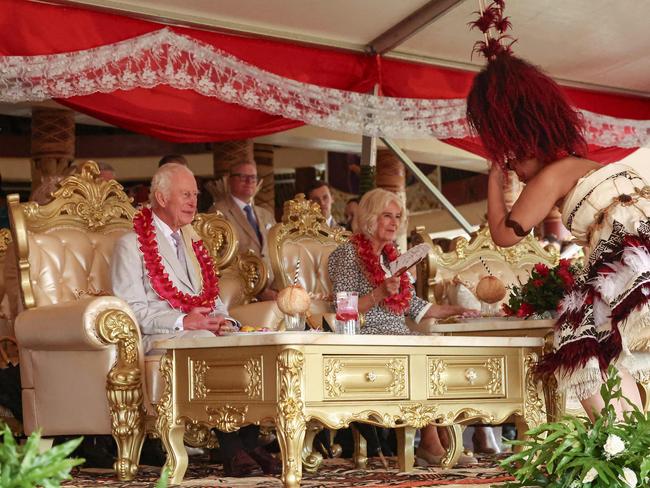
<point x="63" y="248"/>
<point x="467" y="261"/>
<point x="219" y="237"/>
<point x="303" y="234"/>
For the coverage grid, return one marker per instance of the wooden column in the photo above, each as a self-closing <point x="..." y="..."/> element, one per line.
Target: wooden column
<point x="391" y="176"/>
<point x="227" y="153"/>
<point x="304" y="177"/>
<point x="265" y="197"/>
<point x="52" y="143"/>
<point x="224" y="155"/>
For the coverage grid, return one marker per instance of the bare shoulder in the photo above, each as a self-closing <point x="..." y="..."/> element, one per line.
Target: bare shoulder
<point x="564" y="173"/>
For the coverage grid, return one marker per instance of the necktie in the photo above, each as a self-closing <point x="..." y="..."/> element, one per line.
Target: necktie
<point x="180" y="251"/>
<point x="251" y="220"/>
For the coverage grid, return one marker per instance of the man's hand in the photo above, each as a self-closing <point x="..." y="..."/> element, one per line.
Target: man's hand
<point x="267" y="294"/>
<point x="390" y="286"/>
<point x="200" y="318"/>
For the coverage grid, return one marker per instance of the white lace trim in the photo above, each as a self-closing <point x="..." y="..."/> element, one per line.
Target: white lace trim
<point x="166" y="58"/>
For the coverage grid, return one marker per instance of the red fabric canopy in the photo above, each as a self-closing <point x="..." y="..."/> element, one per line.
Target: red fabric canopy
<point x="185" y="116"/>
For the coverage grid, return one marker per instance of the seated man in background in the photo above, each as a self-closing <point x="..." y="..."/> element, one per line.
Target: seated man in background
<point x="152" y="290"/>
<point x="351" y="208"/>
<point x="319" y="192"/>
<point x="251" y="222"/>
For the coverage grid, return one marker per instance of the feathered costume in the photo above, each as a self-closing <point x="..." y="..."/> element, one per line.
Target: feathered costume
<point x="520" y="113"/>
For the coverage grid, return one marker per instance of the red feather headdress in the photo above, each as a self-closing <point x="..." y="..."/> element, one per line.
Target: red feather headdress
<point x="518" y="111"/>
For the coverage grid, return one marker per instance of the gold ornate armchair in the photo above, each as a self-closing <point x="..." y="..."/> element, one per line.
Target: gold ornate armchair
<point x="303" y="235"/>
<point x="82" y="365"/>
<point x="77" y="348"/>
<point x="466" y="263"/>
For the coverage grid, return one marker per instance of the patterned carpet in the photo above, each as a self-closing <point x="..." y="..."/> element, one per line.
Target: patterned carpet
<point x="335" y="473"/>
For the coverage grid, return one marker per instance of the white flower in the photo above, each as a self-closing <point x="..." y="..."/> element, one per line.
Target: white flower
<point x="591" y="475"/>
<point x="629" y="477"/>
<point x="613" y="446"/>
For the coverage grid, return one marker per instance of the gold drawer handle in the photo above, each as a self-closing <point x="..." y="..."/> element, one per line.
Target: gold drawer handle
<point x="470" y="375"/>
<point x="371" y="376"/>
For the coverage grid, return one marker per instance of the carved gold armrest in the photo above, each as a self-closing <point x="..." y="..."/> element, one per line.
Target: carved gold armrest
<point x="71" y="325"/>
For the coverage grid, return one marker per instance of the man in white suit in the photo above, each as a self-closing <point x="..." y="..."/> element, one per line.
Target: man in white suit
<point x="251" y="222"/>
<point x="173" y="203"/>
<point x="163" y="315"/>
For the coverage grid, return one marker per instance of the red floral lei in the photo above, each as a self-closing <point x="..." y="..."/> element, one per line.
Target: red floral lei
<point x="159" y="279"/>
<point x="397" y="303"/>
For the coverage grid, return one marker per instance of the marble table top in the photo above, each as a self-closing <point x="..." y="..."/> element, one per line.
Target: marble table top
<point x="328" y="338"/>
<point x="494" y="324"/>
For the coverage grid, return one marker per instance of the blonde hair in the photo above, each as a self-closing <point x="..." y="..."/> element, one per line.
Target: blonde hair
<point x="371" y="206"/>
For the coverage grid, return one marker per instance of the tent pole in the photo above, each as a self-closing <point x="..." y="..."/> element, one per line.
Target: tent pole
<point x="467" y="227"/>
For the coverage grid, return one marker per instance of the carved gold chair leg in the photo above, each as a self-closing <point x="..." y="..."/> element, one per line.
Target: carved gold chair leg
<point x="127" y="418"/>
<point x="455" y="449"/>
<point x="311" y="460"/>
<point x="405" y="448"/>
<point x="360" y="455"/>
<point x="124" y="390"/>
<point x="336" y="449"/>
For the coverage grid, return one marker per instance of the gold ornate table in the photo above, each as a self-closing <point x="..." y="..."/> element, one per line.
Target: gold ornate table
<point x="302" y="381"/>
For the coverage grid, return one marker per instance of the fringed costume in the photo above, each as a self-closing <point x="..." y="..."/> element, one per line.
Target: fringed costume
<point x="520" y="113"/>
<point x="604" y="318"/>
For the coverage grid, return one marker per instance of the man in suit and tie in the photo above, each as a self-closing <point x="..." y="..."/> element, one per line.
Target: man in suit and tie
<point x="251" y="221"/>
<point x="156" y="271"/>
<point x="319" y="192"/>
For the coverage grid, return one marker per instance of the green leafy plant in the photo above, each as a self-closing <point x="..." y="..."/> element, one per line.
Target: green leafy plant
<point x="163" y="481"/>
<point x="575" y="452"/>
<point x="25" y="466"/>
<point x="543" y="290"/>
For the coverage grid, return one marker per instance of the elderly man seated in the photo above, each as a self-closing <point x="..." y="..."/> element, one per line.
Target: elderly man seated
<point x="160" y="271"/>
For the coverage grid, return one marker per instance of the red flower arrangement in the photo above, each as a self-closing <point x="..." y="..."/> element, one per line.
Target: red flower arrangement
<point x="160" y="282"/>
<point x="397" y="303"/>
<point x="543" y="290"/>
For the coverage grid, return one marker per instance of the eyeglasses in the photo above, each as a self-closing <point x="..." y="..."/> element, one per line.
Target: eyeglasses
<point x="246" y="178"/>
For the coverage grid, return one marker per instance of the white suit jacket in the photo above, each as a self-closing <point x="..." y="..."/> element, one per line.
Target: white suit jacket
<point x="131" y="282"/>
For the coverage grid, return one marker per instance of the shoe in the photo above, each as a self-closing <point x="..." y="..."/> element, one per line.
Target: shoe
<point x="509" y="431"/>
<point x="269" y="464"/>
<point x="426" y="458"/>
<point x="241" y="464"/>
<point x="484" y="441"/>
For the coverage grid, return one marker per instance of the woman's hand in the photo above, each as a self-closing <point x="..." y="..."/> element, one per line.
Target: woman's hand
<point x="390" y="286"/>
<point x="444" y="311"/>
<point x="497" y="175"/>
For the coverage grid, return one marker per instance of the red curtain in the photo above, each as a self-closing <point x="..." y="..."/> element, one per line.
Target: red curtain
<point x="185" y="116"/>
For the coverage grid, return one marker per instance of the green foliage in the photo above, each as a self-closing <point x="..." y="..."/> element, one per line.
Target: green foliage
<point x="163" y="481"/>
<point x="25" y="466"/>
<point x="575" y="452"/>
<point x="543" y="290"/>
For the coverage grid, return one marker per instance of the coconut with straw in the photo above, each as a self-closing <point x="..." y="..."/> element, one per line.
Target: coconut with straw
<point x="294" y="299"/>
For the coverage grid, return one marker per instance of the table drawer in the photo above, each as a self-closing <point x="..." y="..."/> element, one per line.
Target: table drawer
<point x="226" y="379"/>
<point x="365" y="377"/>
<point x="466" y="377"/>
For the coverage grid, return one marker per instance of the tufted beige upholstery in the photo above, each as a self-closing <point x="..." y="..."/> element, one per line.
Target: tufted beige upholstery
<point x="82" y="365"/>
<point x="303" y="234"/>
<point x="441" y="273"/>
